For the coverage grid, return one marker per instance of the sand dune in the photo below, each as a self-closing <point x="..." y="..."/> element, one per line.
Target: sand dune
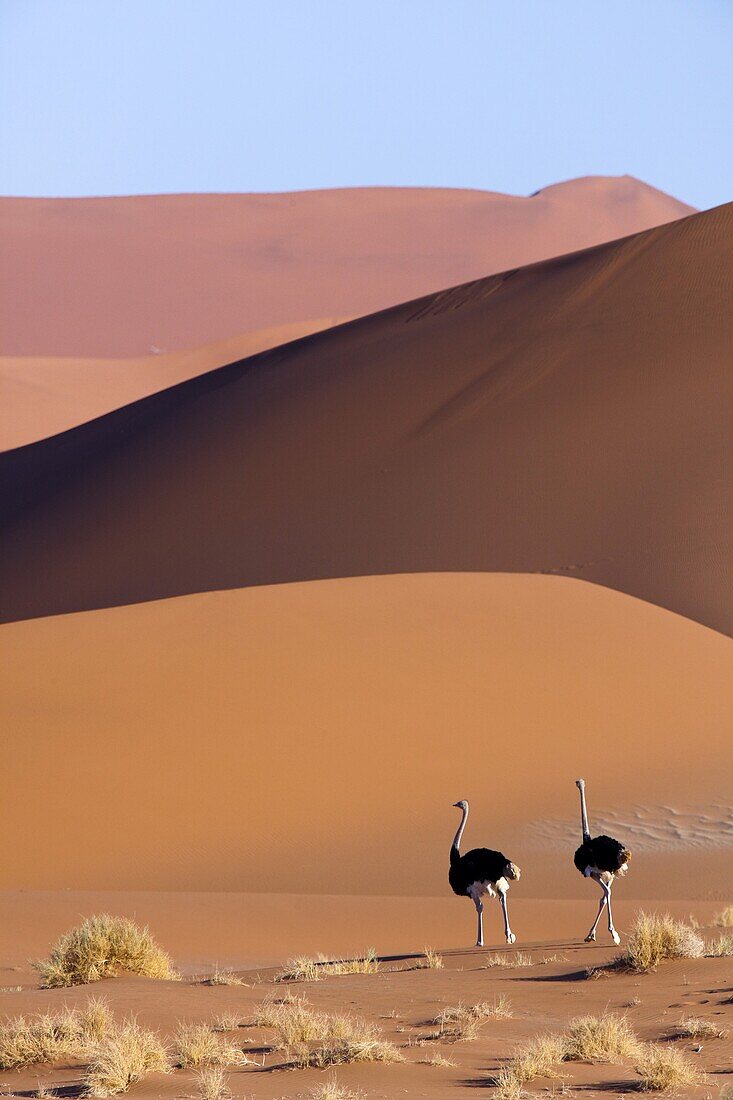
<point x="124" y="276"/>
<point x="312" y="737"/>
<point x="571" y="417"/>
<point x="42" y="397"/>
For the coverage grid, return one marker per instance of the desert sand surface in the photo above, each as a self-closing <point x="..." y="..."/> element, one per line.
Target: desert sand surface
<point x="570" y="417"/>
<point x="113" y="277"/>
<point x="544" y="985"/>
<point x="42" y="397"/>
<point x="315" y="735"/>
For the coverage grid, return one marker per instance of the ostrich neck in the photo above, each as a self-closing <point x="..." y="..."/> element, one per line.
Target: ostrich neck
<point x="456" y="845"/>
<point x="584" y="815"/>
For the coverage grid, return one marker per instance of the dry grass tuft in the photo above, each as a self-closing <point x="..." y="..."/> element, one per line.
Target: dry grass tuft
<point x="211" y="1081"/>
<point x="665" y="1069"/>
<point x="101" y="947"/>
<point x="724" y="919"/>
<point x="49" y="1037"/>
<point x="461" y="1022"/>
<point x="606" y="1038"/>
<point x="655" y="938"/>
<point x="222" y="977"/>
<point x="537" y="1058"/>
<point x="692" y="1027"/>
<point x="303" y="969"/>
<point x="521" y="959"/>
<point x="432" y="961"/>
<point x="722" y="948"/>
<point x="227" y="1021"/>
<point x="495" y="960"/>
<point x="332" y="1090"/>
<point x="124" y="1056"/>
<point x="437" y="1060"/>
<point x="311" y="1038"/>
<point x="197" y="1045"/>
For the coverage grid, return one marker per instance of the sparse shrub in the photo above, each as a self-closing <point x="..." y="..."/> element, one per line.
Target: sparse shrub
<point x="537" y="1058"/>
<point x="222" y="977"/>
<point x="197" y="1045"/>
<point x="664" y="1069"/>
<point x="520" y="959"/>
<point x="722" y="948"/>
<point x="655" y="938"/>
<point x="606" y="1038"/>
<point x="211" y="1081"/>
<point x="49" y="1037"/>
<point x="692" y="1027"/>
<point x="294" y="1023"/>
<point x="432" y="961"/>
<point x="332" y="1090"/>
<point x="124" y="1056"/>
<point x="508" y="1087"/>
<point x="344" y="1039"/>
<point x="300" y="969"/>
<point x="437" y="1060"/>
<point x="461" y="1022"/>
<point x="495" y="960"/>
<point x="724" y="919"/>
<point x="226" y="1021"/>
<point x="303" y="969"/>
<point x="100" y="947"/>
<point x="44" y="1092"/>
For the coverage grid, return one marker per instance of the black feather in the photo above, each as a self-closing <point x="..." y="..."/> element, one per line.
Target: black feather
<point x="478" y="865"/>
<point x="602" y="852"/>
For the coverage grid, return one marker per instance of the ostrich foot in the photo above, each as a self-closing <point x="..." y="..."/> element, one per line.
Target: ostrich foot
<point x="479" y="943"/>
<point x="511" y="938"/>
<point x="590" y="938"/>
<point x="615" y="937"/>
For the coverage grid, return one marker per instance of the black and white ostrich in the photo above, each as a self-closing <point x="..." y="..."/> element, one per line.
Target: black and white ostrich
<point x="481" y="871"/>
<point x="601" y="858"/>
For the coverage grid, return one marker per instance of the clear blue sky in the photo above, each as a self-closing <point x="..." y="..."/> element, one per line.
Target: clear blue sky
<point x="135" y="96"/>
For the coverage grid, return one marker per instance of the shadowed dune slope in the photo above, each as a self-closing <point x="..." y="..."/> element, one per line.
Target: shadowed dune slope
<point x="571" y="417"/>
<point x="242" y="740"/>
<point x="114" y="277"/>
<point x="42" y="397"/>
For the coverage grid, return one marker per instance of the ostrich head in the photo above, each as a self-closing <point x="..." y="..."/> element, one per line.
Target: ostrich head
<point x="511" y="871"/>
<point x="462" y="805"/>
<point x="580" y="784"/>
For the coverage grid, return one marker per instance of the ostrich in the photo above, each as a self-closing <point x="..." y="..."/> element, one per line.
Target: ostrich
<point x="481" y="871"/>
<point x="600" y="858"/>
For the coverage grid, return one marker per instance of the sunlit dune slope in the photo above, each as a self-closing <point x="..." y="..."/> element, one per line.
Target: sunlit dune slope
<point x="41" y="397"/>
<point x="312" y="737"/>
<point x="571" y="417"/>
<point x="112" y="277"/>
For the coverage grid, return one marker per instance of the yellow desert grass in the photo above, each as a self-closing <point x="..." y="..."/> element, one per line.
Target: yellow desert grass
<point x="655" y="938"/>
<point x="305" y="969"/>
<point x="724" y="919"/>
<point x="310" y="1038"/>
<point x="332" y="1090"/>
<point x="720" y="948"/>
<point x="432" y="960"/>
<point x="692" y="1027"/>
<point x="437" y="1060"/>
<point x="537" y="1058"/>
<point x="125" y="1055"/>
<point x="461" y="1022"/>
<point x="606" y="1038"/>
<point x="211" y="1081"/>
<point x="197" y="1045"/>
<point x="48" y="1037"/>
<point x="222" y="977"/>
<point x="665" y="1069"/>
<point x="100" y="947"/>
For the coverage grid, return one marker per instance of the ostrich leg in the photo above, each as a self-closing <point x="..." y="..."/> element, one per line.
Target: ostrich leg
<point x="604" y="900"/>
<point x="614" y="934"/>
<point x="510" y="937"/>
<point x="480" y="931"/>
